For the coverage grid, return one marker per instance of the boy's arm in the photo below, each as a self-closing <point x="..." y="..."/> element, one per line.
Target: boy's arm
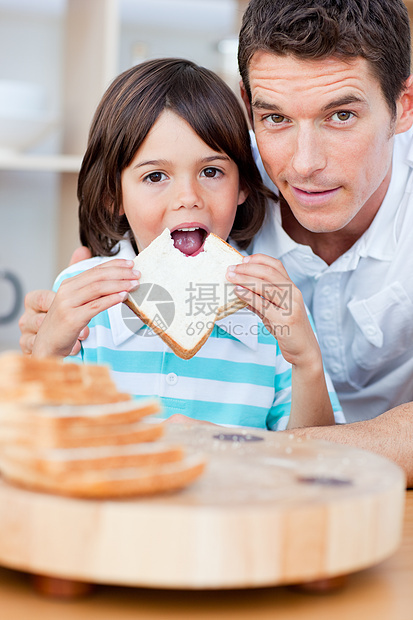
<point x="310" y="400"/>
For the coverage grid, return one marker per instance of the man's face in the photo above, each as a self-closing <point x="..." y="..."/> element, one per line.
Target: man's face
<point x="324" y="132"/>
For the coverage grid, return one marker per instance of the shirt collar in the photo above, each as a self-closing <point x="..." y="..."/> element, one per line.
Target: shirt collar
<point x="241" y="325"/>
<point x="380" y="239"/>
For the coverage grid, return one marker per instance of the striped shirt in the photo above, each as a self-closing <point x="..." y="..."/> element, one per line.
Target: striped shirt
<point x="239" y="377"/>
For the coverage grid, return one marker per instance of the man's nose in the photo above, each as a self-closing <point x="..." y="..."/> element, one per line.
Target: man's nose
<point x="309" y="152"/>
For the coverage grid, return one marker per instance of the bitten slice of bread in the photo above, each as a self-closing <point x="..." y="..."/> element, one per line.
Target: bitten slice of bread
<point x="181" y="297"/>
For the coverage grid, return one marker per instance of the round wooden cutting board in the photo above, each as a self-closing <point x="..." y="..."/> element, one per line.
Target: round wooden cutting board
<point x="269" y="509"/>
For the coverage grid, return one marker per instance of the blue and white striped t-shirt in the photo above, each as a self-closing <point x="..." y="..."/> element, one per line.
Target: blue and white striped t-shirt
<point x="238" y="377"/>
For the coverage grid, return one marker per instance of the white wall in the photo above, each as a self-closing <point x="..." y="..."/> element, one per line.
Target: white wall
<point x="31" y="49"/>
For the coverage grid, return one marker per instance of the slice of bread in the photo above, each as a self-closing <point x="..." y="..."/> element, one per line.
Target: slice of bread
<point x="108" y="483"/>
<point x="181" y="297"/>
<point x="51" y="380"/>
<point x="60" y="463"/>
<point x="84" y="450"/>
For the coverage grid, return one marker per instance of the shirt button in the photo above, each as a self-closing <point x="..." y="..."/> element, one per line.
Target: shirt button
<point x="371" y="331"/>
<point x="327" y="315"/>
<point x="171" y="379"/>
<point x="332" y="342"/>
<point x="335" y="369"/>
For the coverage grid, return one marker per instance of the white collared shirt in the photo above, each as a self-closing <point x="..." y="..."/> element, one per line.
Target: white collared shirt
<point x="362" y="304"/>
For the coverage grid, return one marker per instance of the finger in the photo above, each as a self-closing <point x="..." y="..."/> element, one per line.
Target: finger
<point x="84" y="333"/>
<point x="29" y="324"/>
<point x="86" y="312"/>
<point x="280" y="294"/>
<point x="98" y="282"/>
<point x="76" y="348"/>
<point x="81" y="253"/>
<point x="26" y="343"/>
<point x="264" y="259"/>
<point x="94" y="292"/>
<point x="38" y="301"/>
<point x="270" y="271"/>
<point x="78" y="345"/>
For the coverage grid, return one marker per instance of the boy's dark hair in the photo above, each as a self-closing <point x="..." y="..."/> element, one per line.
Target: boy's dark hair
<point x="126" y="113"/>
<point x="377" y="30"/>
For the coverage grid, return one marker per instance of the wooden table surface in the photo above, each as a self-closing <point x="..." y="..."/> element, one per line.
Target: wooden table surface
<point x="382" y="592"/>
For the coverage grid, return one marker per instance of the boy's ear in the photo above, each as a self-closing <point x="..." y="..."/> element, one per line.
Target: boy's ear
<point x="247" y="103"/>
<point x="242" y="194"/>
<point x="404" y="107"/>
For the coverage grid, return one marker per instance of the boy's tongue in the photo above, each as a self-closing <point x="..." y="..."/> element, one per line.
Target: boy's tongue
<point x="188" y="241"/>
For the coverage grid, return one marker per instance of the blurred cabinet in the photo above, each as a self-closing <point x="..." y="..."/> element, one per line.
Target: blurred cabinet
<point x="74" y="48"/>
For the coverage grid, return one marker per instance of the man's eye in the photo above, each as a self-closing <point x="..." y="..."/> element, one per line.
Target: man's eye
<point x="155" y="177"/>
<point x="211" y="173"/>
<point x="276" y="119"/>
<point x="342" y="116"/>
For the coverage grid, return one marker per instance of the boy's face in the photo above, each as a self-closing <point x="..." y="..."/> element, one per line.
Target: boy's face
<point x="177" y="181"/>
<point x="325" y="135"/>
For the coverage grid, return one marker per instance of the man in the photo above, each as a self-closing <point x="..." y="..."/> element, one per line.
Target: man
<point x="328" y="88"/>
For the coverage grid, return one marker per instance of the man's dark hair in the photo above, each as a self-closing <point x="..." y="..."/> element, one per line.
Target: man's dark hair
<point x="377" y="30"/>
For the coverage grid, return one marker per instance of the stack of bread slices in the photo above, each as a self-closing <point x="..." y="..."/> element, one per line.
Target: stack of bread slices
<point x="65" y="428"/>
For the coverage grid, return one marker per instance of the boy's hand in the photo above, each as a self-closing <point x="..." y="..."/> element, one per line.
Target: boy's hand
<point x="264" y="284"/>
<point x="78" y="300"/>
<point x="37" y="303"/>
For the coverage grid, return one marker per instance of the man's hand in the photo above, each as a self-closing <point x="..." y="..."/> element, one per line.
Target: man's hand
<point x="37" y="303"/>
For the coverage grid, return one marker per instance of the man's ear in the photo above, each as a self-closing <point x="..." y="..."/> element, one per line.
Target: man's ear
<point x="405" y="108"/>
<point x="247" y="102"/>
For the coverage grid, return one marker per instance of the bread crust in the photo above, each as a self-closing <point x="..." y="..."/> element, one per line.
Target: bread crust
<point x="223" y="311"/>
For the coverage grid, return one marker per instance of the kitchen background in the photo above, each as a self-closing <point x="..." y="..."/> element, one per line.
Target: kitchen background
<point x="56" y="59"/>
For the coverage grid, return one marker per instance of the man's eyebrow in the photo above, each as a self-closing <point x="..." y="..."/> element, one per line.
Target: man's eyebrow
<point x="342" y="101"/>
<point x="260" y="104"/>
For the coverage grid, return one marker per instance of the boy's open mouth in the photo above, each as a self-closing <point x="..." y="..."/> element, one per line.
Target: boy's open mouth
<point x="189" y="241"/>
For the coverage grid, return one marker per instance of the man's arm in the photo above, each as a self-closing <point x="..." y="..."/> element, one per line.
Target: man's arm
<point x="390" y="435"/>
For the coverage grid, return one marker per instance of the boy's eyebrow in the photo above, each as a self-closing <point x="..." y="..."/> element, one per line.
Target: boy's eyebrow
<point x="260" y="104"/>
<point x="151" y="162"/>
<point x="165" y="162"/>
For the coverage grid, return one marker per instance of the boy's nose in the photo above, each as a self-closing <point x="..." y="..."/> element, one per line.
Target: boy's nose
<point x="188" y="194"/>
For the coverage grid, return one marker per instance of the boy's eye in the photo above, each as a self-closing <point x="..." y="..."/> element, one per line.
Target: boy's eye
<point x="155" y="177"/>
<point x="210" y="172"/>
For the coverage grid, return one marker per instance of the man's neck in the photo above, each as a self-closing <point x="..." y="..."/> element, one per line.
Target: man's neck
<point x="330" y="245"/>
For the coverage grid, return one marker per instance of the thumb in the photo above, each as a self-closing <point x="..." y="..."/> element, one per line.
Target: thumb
<point x="81" y="253"/>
